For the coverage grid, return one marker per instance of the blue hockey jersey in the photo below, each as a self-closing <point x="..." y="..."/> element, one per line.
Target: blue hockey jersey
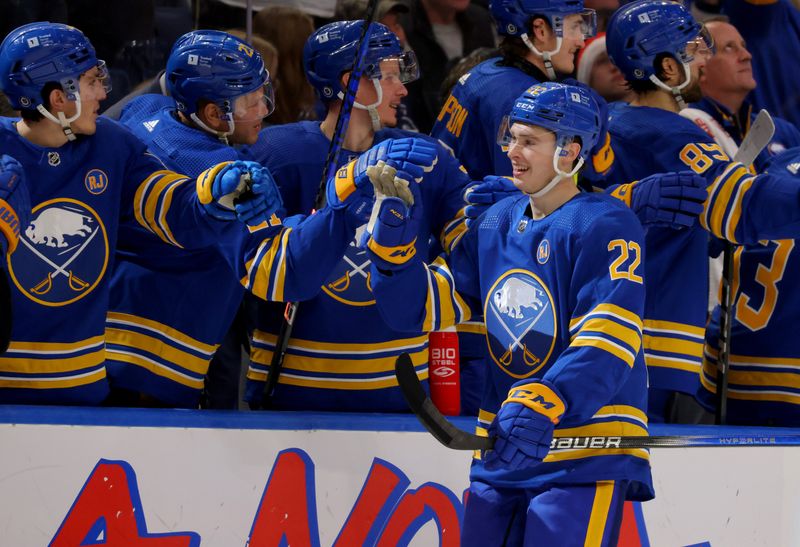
<point x="651" y="140"/>
<point x="737" y="125"/>
<point x="171" y="307"/>
<point x="81" y="193"/>
<point x="562" y="298"/>
<point x="341" y="354"/>
<point x="765" y="358"/>
<point x="471" y="116"/>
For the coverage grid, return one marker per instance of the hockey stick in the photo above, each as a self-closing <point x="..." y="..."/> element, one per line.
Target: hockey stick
<point x="757" y="138"/>
<point x="331" y="164"/>
<point x="457" y="439"/>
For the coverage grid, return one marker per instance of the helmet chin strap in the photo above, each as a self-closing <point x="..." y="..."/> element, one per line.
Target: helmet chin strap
<point x="221" y="135"/>
<point x="559" y="174"/>
<point x="676" y="91"/>
<point x="545" y="55"/>
<point x="372" y="109"/>
<point x="62" y="120"/>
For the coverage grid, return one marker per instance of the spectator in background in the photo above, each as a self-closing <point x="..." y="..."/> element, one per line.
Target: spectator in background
<point x="288" y="29"/>
<point x="771" y="28"/>
<point x="441" y="32"/>
<point x="726" y="82"/>
<point x="388" y="13"/>
<point x="596" y="70"/>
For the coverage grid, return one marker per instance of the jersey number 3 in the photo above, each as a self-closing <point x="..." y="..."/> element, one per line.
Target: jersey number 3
<point x="629" y="253"/>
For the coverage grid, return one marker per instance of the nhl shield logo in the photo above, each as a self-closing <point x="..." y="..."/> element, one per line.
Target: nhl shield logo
<point x="520" y="323"/>
<point x="62" y="255"/>
<point x="53" y="159"/>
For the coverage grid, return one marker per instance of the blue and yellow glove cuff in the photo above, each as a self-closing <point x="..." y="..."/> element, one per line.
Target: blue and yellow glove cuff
<point x="345" y="182"/>
<point x="398" y="255"/>
<point x="205" y="182"/>
<point x="538" y="397"/>
<point x="624" y="192"/>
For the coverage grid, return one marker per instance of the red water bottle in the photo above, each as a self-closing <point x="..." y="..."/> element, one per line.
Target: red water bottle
<point x="444" y="376"/>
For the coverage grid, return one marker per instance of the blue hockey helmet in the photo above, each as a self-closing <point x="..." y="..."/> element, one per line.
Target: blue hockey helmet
<point x="641" y="31"/>
<point x="513" y="17"/>
<point x="330" y="51"/>
<point x="215" y="66"/>
<point x="566" y="110"/>
<point x="36" y="54"/>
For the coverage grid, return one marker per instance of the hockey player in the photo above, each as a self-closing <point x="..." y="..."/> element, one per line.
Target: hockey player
<point x="726" y="82"/>
<point x="762" y="386"/>
<point x="341" y="354"/>
<point x="558" y="275"/>
<point x="87" y="177"/>
<point x="219" y="94"/>
<point x="649" y="137"/>
<point x="540" y="38"/>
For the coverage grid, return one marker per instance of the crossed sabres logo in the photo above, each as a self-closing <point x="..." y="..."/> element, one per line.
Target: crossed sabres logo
<point x="520" y="322"/>
<point x="350" y="282"/>
<point x="63" y="253"/>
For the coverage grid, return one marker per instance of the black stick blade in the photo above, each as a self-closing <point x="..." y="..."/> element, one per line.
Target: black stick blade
<point x="427" y="413"/>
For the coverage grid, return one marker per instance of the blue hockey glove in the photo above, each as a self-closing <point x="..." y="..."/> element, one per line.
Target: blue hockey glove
<point x="393" y="227"/>
<point x="352" y="186"/>
<point x="601" y="153"/>
<point x="243" y="190"/>
<point x="524" y="426"/>
<point x="481" y="195"/>
<point x="15" y="203"/>
<point x="665" y="199"/>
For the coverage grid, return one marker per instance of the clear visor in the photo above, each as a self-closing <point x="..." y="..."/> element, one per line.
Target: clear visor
<point x="702" y="46"/>
<point x="580" y="25"/>
<point x="255" y="105"/>
<point x="96" y="82"/>
<point x="531" y="137"/>
<point x="402" y="68"/>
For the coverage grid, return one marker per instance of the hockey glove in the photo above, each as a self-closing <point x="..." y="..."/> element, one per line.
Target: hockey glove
<point x="15" y="203"/>
<point x="524" y="426"/>
<point x="481" y="195"/>
<point x="243" y="190"/>
<point x="667" y="199"/>
<point x="392" y="230"/>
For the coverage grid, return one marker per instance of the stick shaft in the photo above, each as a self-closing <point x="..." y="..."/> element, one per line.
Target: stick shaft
<point x="331" y="163"/>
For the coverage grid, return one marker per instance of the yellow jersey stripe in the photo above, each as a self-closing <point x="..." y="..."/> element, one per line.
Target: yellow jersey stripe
<point x="598" y="518"/>
<point x="53" y="348"/>
<point x="631" y="337"/>
<point x="354" y="348"/>
<point x="342" y="367"/>
<point x="22" y="365"/>
<point x="670" y="327"/>
<point x="54" y="383"/>
<point x="117" y="319"/>
<point x="612" y="310"/>
<point x="601" y="343"/>
<point x="137" y="342"/>
<point x="157" y="368"/>
<point x="722" y="199"/>
<point x="673" y="345"/>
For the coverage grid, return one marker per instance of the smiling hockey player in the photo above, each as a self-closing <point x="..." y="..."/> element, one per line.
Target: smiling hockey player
<point x="558" y="276"/>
